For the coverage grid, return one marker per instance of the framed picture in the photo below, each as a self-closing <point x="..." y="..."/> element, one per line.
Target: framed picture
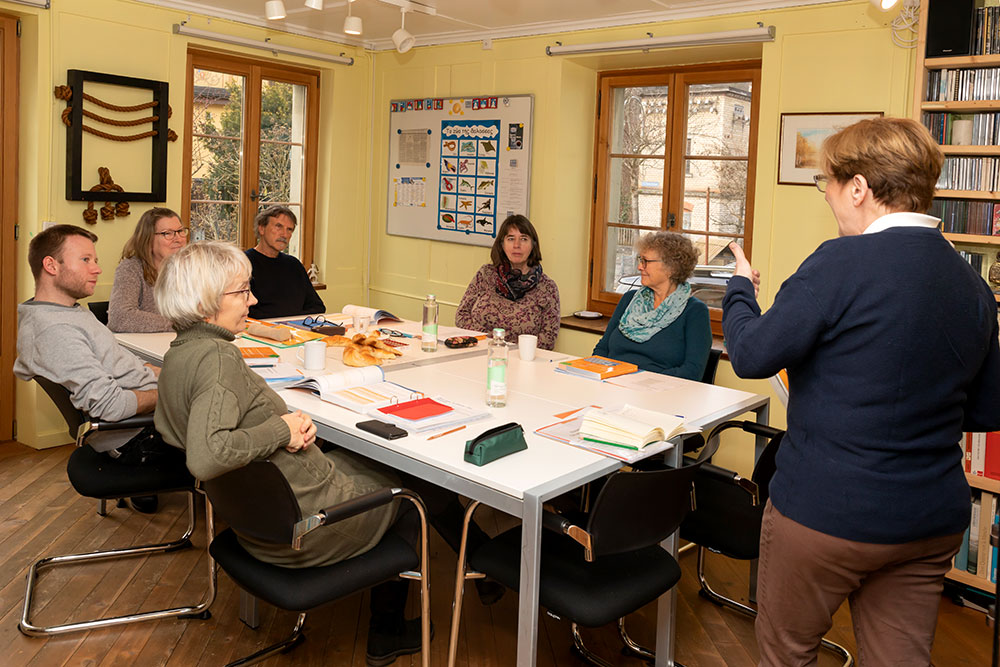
<point x="802" y="135"/>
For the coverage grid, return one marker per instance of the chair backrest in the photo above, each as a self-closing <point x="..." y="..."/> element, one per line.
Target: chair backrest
<point x="637" y="509"/>
<point x="256" y="501"/>
<point x="711" y="366"/>
<point x="100" y="311"/>
<point x="60" y="396"/>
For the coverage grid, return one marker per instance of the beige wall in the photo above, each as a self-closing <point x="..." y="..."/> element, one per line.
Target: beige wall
<point x="836" y="57"/>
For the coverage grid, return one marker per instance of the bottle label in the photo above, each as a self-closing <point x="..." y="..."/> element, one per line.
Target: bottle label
<point x="496" y="380"/>
<point x="430" y="333"/>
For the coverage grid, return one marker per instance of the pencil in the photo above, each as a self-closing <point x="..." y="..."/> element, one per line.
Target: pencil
<point x="447" y="432"/>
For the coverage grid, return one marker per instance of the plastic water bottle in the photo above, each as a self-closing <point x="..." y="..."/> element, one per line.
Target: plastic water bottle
<point x="429" y="337"/>
<point x="496" y="371"/>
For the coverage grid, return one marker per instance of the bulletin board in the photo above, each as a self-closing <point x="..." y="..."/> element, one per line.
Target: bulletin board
<point x="458" y="166"/>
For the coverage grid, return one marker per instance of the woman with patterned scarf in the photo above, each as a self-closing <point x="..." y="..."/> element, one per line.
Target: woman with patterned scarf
<point x="512" y="292"/>
<point x="661" y="327"/>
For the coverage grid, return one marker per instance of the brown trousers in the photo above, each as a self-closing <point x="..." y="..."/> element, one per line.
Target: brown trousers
<point x="804" y="576"/>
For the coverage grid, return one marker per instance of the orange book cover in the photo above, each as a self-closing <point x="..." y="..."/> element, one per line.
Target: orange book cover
<point x="597" y="368"/>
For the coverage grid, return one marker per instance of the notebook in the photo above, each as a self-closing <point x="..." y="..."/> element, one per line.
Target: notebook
<point x="596" y="368"/>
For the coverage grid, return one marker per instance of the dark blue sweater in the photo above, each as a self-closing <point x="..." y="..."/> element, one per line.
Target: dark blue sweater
<point x="282" y="287"/>
<point x="680" y="349"/>
<point x="890" y="341"/>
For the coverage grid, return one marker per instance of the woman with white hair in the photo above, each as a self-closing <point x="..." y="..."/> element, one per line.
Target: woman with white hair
<point x="223" y="415"/>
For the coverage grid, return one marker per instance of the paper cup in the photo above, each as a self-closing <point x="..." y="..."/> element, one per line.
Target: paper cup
<point x="527" y="344"/>
<point x="361" y="323"/>
<point x="313" y="355"/>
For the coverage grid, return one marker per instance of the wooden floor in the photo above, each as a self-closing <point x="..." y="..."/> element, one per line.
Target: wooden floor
<point x="41" y="515"/>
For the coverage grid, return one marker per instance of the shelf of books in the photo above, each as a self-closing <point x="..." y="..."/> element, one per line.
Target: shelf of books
<point x="958" y="99"/>
<point x="976" y="562"/>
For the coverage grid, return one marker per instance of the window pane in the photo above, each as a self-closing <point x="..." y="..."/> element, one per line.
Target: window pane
<point x="715" y="194"/>
<point x="216" y="155"/>
<point x="282" y="155"/>
<point x="635" y="191"/>
<point x="620" y="259"/>
<point x="718" y="118"/>
<point x="639" y="120"/>
<point x="713" y="251"/>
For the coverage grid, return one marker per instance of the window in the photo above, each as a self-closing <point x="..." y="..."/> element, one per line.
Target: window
<point x="251" y="142"/>
<point x="675" y="151"/>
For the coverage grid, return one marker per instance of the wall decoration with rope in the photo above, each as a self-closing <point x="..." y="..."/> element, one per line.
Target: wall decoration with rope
<point x="79" y="120"/>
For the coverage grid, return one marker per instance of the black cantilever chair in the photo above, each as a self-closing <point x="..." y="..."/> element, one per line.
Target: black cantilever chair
<point x="272" y="514"/>
<point x="96" y="476"/>
<point x="595" y="568"/>
<point x="729" y="512"/>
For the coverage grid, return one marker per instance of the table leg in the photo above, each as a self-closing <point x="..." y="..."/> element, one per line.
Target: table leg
<point x="527" y="610"/>
<point x="666" y="606"/>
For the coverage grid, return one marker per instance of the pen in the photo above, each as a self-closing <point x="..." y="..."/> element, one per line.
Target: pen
<point x="447" y="432"/>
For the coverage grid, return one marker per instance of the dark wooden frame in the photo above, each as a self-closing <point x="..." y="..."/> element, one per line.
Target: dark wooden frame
<point x="8" y="219"/>
<point x="75" y="191"/>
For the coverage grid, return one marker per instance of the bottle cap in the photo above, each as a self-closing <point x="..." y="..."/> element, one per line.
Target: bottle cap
<point x="498" y="333"/>
<point x="430" y="297"/>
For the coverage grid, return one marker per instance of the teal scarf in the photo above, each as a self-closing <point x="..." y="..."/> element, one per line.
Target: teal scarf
<point x="641" y="321"/>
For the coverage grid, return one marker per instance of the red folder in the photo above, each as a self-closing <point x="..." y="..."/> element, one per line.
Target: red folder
<point x="417" y="409"/>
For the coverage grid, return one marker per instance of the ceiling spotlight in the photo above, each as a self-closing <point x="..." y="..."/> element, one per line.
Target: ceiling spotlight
<point x="884" y="5"/>
<point x="401" y="38"/>
<point x="315" y="4"/>
<point x="274" y="9"/>
<point x="352" y="24"/>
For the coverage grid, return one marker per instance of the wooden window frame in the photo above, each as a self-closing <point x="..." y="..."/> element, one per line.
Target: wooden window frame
<point x="254" y="71"/>
<point x="677" y="79"/>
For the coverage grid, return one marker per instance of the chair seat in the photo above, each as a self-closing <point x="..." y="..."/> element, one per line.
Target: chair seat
<point x="589" y="594"/>
<point x="95" y="475"/>
<point x="723" y="520"/>
<point x="302" y="589"/>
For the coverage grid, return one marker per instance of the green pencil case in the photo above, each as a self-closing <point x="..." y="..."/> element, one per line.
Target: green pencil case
<point x="495" y="443"/>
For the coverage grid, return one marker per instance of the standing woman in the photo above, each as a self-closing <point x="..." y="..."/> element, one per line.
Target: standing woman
<point x="512" y="292"/>
<point x="132" y="307"/>
<point x="660" y="327"/>
<point x="890" y="341"/>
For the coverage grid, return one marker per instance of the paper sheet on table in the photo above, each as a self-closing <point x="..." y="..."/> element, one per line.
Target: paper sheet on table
<point x="646" y="381"/>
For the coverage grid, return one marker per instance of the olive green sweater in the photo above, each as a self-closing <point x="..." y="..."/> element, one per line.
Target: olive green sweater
<point x="223" y="415"/>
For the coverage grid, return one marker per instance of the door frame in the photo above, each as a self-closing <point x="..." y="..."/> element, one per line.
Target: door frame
<point x="9" y="42"/>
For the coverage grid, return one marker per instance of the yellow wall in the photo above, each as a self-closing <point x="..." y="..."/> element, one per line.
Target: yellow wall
<point x="836" y="57"/>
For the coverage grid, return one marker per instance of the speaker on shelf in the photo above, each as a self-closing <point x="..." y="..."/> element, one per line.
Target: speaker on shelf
<point x="949" y="27"/>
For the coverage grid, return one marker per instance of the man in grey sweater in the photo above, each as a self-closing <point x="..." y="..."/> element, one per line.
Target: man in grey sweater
<point x="62" y="341"/>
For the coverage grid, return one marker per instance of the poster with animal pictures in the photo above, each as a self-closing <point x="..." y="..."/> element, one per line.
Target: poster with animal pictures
<point x="458" y="166"/>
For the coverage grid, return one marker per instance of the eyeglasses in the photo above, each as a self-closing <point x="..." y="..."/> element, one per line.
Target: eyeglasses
<point x="392" y="333"/>
<point x="642" y="262"/>
<point x="820" y="180"/>
<point x="171" y="234"/>
<point x="244" y="292"/>
<point x="318" y="321"/>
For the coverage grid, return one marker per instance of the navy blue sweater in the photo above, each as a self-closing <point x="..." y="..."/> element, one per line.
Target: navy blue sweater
<point x="680" y="349"/>
<point x="890" y="341"/>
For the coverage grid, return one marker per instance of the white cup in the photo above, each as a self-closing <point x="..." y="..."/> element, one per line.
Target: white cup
<point x="526" y="346"/>
<point x="313" y="357"/>
<point x="361" y="323"/>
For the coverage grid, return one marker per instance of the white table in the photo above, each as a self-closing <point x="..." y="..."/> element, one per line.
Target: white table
<point x="521" y="483"/>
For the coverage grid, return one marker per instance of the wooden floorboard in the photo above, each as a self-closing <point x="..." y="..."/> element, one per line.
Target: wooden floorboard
<point x="41" y="515"/>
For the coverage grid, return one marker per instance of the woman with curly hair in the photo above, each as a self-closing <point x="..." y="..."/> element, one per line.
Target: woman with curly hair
<point x="661" y="327"/>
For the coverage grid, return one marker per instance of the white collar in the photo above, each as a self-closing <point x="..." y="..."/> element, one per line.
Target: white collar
<point x="906" y="219"/>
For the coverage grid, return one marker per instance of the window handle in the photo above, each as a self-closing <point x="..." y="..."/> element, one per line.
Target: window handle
<point x="253" y="194"/>
<point x="671" y="220"/>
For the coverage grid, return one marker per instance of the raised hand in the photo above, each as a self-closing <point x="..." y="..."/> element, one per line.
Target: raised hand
<point x="743" y="267"/>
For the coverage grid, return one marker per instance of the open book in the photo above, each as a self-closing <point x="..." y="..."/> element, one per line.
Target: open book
<point x="358" y="389"/>
<point x="377" y="316"/>
<point x="567" y="431"/>
<point x="629" y="427"/>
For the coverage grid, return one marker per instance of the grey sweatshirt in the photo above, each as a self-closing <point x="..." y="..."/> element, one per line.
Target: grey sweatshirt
<point x="67" y="345"/>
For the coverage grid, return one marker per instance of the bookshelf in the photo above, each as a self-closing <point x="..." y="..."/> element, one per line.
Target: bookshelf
<point x="930" y="70"/>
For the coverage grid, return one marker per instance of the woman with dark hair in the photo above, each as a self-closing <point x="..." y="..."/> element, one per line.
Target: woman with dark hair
<point x="660" y="327"/>
<point x="512" y="292"/>
<point x="132" y="307"/>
